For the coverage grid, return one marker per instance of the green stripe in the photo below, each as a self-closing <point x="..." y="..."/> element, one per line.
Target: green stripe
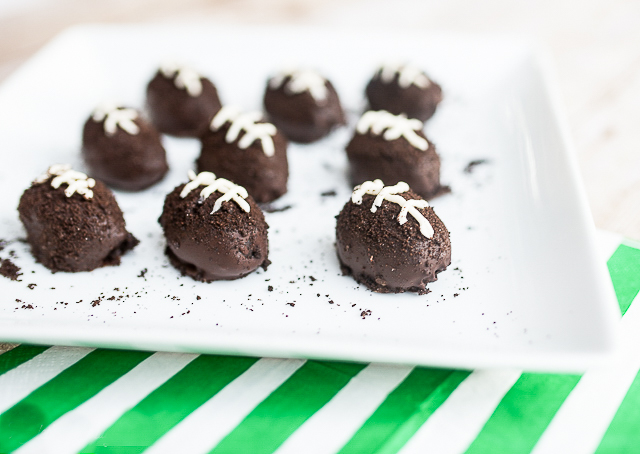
<point x="624" y="267"/>
<point x="169" y="404"/>
<point x="280" y="414"/>
<point x="623" y="435"/>
<point x="523" y="414"/>
<point x="18" y="355"/>
<point x="63" y="393"/>
<point x="404" y="410"/>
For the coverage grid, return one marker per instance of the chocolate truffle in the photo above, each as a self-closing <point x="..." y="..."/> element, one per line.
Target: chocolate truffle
<point x="181" y="102"/>
<point x="214" y="232"/>
<point x="403" y="89"/>
<point x="389" y="239"/>
<point x="244" y="149"/>
<point x="73" y="222"/>
<point x="303" y="105"/>
<point x="393" y="148"/>
<point x="122" y="149"/>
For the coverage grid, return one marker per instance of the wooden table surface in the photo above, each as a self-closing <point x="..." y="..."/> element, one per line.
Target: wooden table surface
<point x="595" y="45"/>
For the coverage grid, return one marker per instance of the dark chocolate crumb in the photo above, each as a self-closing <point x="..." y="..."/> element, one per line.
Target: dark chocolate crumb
<point x="330" y="301"/>
<point x="268" y="208"/>
<point x="10" y="270"/>
<point x="455" y="294"/>
<point x="31" y="286"/>
<point x="291" y="304"/>
<point x="198" y="297"/>
<point x="365" y="313"/>
<point x="331" y="193"/>
<point x="471" y="166"/>
<point x="142" y="273"/>
<point x="270" y="288"/>
<point x="313" y="279"/>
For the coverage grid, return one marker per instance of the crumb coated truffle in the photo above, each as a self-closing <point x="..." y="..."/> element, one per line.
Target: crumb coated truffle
<point x="390" y="240"/>
<point x="403" y="89"/>
<point x="214" y="229"/>
<point x="73" y="222"/>
<point x="393" y="148"/>
<point x="248" y="151"/>
<point x="122" y="149"/>
<point x="181" y="102"/>
<point x="303" y="105"/>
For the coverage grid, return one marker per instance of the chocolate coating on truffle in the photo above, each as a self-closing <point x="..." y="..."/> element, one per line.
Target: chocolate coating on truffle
<point x="74" y="233"/>
<point x="371" y="156"/>
<point x="388" y="257"/>
<point x="225" y="245"/>
<point x="124" y="160"/>
<point x="413" y="101"/>
<point x="264" y="177"/>
<point x="175" y="112"/>
<point x="300" y="116"/>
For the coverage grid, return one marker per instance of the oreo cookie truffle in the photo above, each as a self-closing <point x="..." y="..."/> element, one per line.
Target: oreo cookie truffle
<point x="393" y="148"/>
<point x="122" y="149"/>
<point x="390" y="239"/>
<point x="403" y="89"/>
<point x="73" y="222"/>
<point x="214" y="229"/>
<point x="180" y="101"/>
<point x="248" y="151"/>
<point x="303" y="105"/>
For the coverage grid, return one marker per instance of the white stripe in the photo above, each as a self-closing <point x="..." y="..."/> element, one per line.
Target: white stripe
<point x="213" y="420"/>
<point x="584" y="417"/>
<point x="72" y="431"/>
<point x="18" y="383"/>
<point x="335" y="423"/>
<point x="457" y="422"/>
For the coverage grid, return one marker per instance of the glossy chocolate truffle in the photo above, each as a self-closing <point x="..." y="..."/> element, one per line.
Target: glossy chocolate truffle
<point x="402" y="246"/>
<point x="73" y="222"/>
<point x="214" y="230"/>
<point x="122" y="149"/>
<point x="181" y="102"/>
<point x="244" y="149"/>
<point x="303" y="105"/>
<point x="403" y="89"/>
<point x="393" y="148"/>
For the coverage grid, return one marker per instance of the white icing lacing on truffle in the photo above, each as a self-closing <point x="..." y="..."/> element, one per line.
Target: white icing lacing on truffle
<point x="390" y="194"/>
<point x="230" y="191"/>
<point x="114" y="116"/>
<point x="186" y="78"/>
<point x="76" y="181"/>
<point x="301" y="80"/>
<point x="407" y="75"/>
<point x="246" y="122"/>
<point x="394" y="126"/>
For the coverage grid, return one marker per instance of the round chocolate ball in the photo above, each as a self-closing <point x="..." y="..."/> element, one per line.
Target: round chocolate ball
<point x="73" y="222"/>
<point x="259" y="164"/>
<point x="303" y="105"/>
<point x="403" y="89"/>
<point x="405" y="155"/>
<point x="180" y="102"/>
<point x="385" y="255"/>
<point x="122" y="149"/>
<point x="209" y="243"/>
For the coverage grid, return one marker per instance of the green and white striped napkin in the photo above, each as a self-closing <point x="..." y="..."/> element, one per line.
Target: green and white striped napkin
<point x="82" y="400"/>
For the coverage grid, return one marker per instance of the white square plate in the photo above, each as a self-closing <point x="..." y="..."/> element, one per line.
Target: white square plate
<point x="525" y="288"/>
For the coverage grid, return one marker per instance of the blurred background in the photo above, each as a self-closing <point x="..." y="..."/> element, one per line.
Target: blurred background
<point x="594" y="45"/>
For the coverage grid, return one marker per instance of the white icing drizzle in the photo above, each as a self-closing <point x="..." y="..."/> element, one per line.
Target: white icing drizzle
<point x="301" y="80"/>
<point x="407" y="75"/>
<point x="230" y="191"/>
<point x="246" y="122"/>
<point x="186" y="78"/>
<point x="76" y="181"/>
<point x="114" y="116"/>
<point x="394" y="126"/>
<point x="390" y="194"/>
